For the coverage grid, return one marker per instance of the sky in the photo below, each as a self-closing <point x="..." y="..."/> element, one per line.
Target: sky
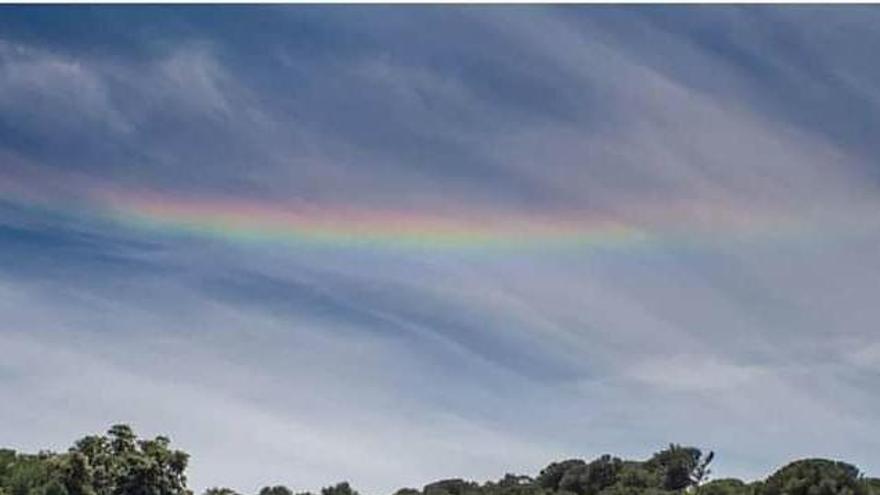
<point x="397" y="244"/>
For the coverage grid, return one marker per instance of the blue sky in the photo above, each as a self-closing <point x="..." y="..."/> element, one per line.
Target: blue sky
<point x="274" y="362"/>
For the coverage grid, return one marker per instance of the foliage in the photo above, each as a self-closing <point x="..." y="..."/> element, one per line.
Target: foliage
<point x="276" y="490"/>
<point x="116" y="464"/>
<point x="816" y="477"/>
<point x="339" y="489"/>
<point x="119" y="463"/>
<point x="680" y="467"/>
<point x="222" y="491"/>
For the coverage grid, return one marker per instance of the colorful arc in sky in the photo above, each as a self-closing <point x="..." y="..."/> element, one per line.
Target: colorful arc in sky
<point x="254" y="221"/>
<point x="349" y="227"/>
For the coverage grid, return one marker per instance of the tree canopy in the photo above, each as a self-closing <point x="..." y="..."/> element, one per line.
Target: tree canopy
<point x="120" y="463"/>
<point x="114" y="464"/>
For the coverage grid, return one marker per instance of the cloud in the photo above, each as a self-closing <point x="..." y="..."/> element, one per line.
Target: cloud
<point x="694" y="373"/>
<point x="867" y="357"/>
<point x="36" y="84"/>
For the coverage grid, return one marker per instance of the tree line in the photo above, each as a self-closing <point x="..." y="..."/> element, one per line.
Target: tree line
<point x="120" y="463"/>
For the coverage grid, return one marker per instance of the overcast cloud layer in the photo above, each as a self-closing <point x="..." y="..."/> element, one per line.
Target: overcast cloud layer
<point x="275" y="364"/>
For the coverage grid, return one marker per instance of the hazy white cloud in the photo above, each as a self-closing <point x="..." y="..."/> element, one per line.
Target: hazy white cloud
<point x="694" y="373"/>
<point x="867" y="356"/>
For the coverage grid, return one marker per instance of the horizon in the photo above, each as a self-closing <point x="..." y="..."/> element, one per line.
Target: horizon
<point x="700" y="477"/>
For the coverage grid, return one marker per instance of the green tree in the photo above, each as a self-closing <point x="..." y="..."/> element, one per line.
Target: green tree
<point x="455" y="486"/>
<point x="551" y="476"/>
<point x="726" y="486"/>
<point x="276" y="490"/>
<point x="590" y="479"/>
<point x="339" y="489"/>
<point x="815" y="477"/>
<point x="680" y="467"/>
<point x="122" y="464"/>
<point x="636" y="475"/>
<point x="217" y="490"/>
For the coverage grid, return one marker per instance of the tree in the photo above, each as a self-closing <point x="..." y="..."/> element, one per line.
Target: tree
<point x="816" y="477"/>
<point x="455" y="486"/>
<point x="276" y="490"/>
<point x="551" y="476"/>
<point x="121" y="464"/>
<point x="636" y="475"/>
<point x="122" y="439"/>
<point x="216" y="490"/>
<point x="339" y="489"/>
<point x="590" y="479"/>
<point x="680" y="467"/>
<point x="727" y="486"/>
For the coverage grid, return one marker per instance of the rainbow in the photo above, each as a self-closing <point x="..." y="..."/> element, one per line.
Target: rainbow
<point x="346" y="227"/>
<point x="322" y="226"/>
<point x="309" y="225"/>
